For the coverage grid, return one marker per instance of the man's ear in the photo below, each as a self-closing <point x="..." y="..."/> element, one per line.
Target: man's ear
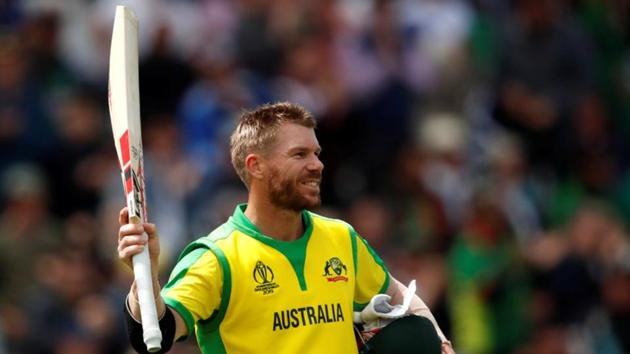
<point x="255" y="166"/>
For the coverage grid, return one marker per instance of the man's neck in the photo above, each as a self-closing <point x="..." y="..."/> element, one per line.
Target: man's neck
<point x="281" y="224"/>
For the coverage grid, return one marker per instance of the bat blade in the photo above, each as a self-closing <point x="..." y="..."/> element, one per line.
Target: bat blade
<point x="124" y="109"/>
<point x="124" y="106"/>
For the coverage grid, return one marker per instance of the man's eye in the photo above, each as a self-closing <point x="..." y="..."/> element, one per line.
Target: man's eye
<point x="299" y="154"/>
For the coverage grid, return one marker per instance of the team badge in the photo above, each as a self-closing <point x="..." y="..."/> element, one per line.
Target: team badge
<point x="333" y="270"/>
<point x="263" y="276"/>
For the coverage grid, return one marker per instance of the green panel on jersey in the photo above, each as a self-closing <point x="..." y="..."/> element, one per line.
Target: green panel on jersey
<point x="355" y="257"/>
<point x="208" y="335"/>
<point x="215" y="320"/>
<point x="187" y="259"/>
<point x="211" y="343"/>
<point x="378" y="260"/>
<point x="189" y="256"/>
<point x="294" y="251"/>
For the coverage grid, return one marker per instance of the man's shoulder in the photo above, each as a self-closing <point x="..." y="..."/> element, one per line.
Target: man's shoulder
<point x="222" y="232"/>
<point x="225" y="230"/>
<point x="328" y="222"/>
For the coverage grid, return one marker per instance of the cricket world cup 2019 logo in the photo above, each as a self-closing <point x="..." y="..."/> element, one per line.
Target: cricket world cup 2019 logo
<point x="263" y="273"/>
<point x="333" y="270"/>
<point x="263" y="276"/>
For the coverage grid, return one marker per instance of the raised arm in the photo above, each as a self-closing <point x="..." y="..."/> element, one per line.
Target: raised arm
<point x="131" y="241"/>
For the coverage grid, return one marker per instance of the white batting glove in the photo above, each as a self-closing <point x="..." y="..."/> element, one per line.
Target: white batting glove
<point x="380" y="312"/>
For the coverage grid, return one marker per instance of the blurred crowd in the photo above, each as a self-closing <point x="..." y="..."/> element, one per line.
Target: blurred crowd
<point x="480" y="146"/>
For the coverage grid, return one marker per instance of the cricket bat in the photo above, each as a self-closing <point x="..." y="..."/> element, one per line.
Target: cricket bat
<point x="124" y="110"/>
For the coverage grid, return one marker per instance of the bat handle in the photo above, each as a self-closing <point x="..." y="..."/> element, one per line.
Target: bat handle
<point x="148" y="311"/>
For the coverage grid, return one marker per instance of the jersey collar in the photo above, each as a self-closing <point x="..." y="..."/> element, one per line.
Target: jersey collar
<point x="243" y="223"/>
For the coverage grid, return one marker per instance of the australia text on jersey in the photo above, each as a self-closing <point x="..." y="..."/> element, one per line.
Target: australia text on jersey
<point x="307" y="316"/>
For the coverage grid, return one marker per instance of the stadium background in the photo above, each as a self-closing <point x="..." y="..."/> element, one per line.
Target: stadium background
<point x="480" y="146"/>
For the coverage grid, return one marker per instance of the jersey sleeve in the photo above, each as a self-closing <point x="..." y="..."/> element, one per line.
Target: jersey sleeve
<point x="372" y="276"/>
<point x="194" y="287"/>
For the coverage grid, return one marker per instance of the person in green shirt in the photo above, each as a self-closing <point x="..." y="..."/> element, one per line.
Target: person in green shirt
<point x="275" y="277"/>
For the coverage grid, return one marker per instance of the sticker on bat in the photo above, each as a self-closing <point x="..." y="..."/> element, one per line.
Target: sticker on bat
<point x="134" y="189"/>
<point x="136" y="152"/>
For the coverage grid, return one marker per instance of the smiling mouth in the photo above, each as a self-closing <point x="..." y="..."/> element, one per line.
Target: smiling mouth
<point x="312" y="183"/>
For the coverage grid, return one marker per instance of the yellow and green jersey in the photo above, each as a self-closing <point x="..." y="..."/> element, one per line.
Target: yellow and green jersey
<point x="243" y="292"/>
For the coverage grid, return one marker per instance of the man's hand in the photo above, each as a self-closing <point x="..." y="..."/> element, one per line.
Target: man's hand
<point x="132" y="240"/>
<point x="447" y="348"/>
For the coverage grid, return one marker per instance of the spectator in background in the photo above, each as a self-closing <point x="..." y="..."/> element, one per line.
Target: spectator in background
<point x="164" y="77"/>
<point x="373" y="220"/>
<point x="27" y="228"/>
<point x="573" y="262"/>
<point x="206" y="111"/>
<point x="605" y="23"/>
<point x="26" y="129"/>
<point x="597" y="150"/>
<point x="420" y="219"/>
<point x="443" y="142"/>
<point x="574" y="272"/>
<point x="40" y="37"/>
<point x="70" y="307"/>
<point x="544" y="67"/>
<point x="257" y="39"/>
<point x="77" y="167"/>
<point x="518" y="195"/>
<point x="27" y="231"/>
<point x="434" y="58"/>
<point x="488" y="290"/>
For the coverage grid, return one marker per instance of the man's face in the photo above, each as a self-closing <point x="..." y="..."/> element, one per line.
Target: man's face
<point x="294" y="169"/>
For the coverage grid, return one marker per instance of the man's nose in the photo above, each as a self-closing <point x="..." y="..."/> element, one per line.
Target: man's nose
<point x="316" y="164"/>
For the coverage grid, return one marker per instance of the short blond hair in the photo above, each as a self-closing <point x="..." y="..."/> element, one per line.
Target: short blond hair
<point x="257" y="130"/>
